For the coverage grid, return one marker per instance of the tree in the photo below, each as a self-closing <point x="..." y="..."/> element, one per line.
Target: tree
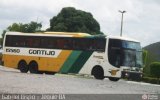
<point x="144" y="56"/>
<point x="31" y="27"/>
<point x="1" y="42"/>
<point x="149" y="59"/>
<point x="72" y="20"/>
<point x="155" y="70"/>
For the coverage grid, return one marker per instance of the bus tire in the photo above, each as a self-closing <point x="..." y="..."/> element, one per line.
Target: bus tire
<point x="23" y="67"/>
<point x="114" y="79"/>
<point x="50" y="73"/>
<point x="98" y="72"/>
<point x="33" y="67"/>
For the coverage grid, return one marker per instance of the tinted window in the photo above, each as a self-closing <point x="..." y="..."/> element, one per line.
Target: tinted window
<point x="124" y="53"/>
<point x="131" y="45"/>
<point x="21" y="41"/>
<point x="67" y="43"/>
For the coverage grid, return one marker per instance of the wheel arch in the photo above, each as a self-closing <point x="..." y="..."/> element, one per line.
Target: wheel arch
<point x="97" y="67"/>
<point x="33" y="67"/>
<point x="33" y="61"/>
<point x="22" y="60"/>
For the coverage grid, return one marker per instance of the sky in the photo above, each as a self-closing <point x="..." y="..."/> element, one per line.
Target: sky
<point x="141" y="20"/>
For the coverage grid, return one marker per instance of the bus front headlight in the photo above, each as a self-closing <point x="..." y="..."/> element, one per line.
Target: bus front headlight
<point x="126" y="74"/>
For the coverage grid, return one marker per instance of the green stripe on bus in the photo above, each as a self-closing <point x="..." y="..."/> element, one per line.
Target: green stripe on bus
<point x="70" y="61"/>
<point x="80" y="61"/>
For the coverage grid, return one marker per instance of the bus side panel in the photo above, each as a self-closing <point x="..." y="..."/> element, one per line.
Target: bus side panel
<point x="80" y="61"/>
<point x="94" y="60"/>
<point x="13" y="60"/>
<point x="9" y="61"/>
<point x="75" y="61"/>
<point x="70" y="61"/>
<point x="44" y="63"/>
<point x="99" y="59"/>
<point x="54" y="64"/>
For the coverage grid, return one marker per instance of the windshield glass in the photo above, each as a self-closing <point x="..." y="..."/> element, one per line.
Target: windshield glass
<point x="124" y="53"/>
<point x="131" y="45"/>
<point x="128" y="58"/>
<point x="139" y="62"/>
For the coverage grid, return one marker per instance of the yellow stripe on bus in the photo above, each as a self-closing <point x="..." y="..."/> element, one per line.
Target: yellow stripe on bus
<point x="44" y="63"/>
<point x="55" y="64"/>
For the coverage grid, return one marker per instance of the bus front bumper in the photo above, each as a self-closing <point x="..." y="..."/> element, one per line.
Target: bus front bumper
<point x="131" y="75"/>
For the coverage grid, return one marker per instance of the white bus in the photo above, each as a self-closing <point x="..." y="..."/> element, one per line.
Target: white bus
<point x="80" y="53"/>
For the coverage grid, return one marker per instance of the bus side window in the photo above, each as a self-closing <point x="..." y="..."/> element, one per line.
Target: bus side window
<point x="44" y="42"/>
<point x="52" y="43"/>
<point x="68" y="44"/>
<point x="22" y="43"/>
<point x="36" y="42"/>
<point x="29" y="42"/>
<point x="89" y="44"/>
<point x="78" y="44"/>
<point x="60" y="43"/>
<point x="8" y="41"/>
<point x="75" y="44"/>
<point x="16" y="41"/>
<point x="83" y="44"/>
<point x="99" y="44"/>
<point x="94" y="45"/>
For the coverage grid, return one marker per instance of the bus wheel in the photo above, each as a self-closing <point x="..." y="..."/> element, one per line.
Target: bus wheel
<point x="113" y="79"/>
<point x="33" y="67"/>
<point x="98" y="72"/>
<point x="23" y="67"/>
<point x="50" y="73"/>
<point x="40" y="72"/>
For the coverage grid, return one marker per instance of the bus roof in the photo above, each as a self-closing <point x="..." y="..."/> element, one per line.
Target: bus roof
<point x="67" y="33"/>
<point x="58" y="34"/>
<point x="70" y="34"/>
<point x="123" y="38"/>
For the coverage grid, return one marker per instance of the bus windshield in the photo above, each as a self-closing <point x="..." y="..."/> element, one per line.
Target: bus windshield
<point x="124" y="53"/>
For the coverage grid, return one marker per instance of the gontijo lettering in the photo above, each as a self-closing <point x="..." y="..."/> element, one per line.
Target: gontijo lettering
<point x="41" y="52"/>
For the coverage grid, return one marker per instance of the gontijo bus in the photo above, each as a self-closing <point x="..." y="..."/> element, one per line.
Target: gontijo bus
<point x="80" y="53"/>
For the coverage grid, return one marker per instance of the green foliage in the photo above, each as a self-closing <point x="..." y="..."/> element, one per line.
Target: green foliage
<point x="4" y="31"/>
<point x="1" y="40"/>
<point x="152" y="56"/>
<point x="31" y="27"/>
<point x="150" y="80"/>
<point x="155" y="69"/>
<point x="145" y="52"/>
<point x="72" y="20"/>
<point x="144" y="57"/>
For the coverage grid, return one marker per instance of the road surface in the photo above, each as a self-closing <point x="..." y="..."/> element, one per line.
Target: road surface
<point x="14" y="82"/>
